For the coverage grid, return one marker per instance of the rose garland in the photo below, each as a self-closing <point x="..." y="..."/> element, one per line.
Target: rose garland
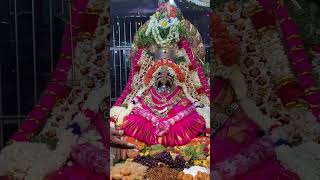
<point x="128" y="88"/>
<point x="185" y="45"/>
<point x="56" y="90"/>
<point x="301" y="122"/>
<point x="87" y="23"/>
<point x="299" y="60"/>
<point x="161" y="126"/>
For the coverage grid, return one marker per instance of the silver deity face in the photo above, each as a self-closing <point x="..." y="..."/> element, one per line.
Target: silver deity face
<point x="164" y="81"/>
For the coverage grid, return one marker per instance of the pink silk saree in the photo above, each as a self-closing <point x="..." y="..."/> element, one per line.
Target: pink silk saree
<point x="240" y="152"/>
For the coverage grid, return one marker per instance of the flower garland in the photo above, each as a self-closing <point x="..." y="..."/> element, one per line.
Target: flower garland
<point x="185" y="45"/>
<point x="24" y="160"/>
<point x="127" y="90"/>
<point x="203" y="3"/>
<point x="255" y="63"/>
<point x="306" y="154"/>
<point x="164" y="27"/>
<point x="161" y="126"/>
<point x="299" y="60"/>
<point x="225" y="47"/>
<point x="295" y="115"/>
<point x="300" y="124"/>
<point x="69" y="112"/>
<point x="173" y="36"/>
<point x="87" y="77"/>
<point x="162" y="63"/>
<point x="316" y="63"/>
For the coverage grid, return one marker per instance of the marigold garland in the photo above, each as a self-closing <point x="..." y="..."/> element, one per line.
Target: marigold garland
<point x="161" y="63"/>
<point x="225" y="47"/>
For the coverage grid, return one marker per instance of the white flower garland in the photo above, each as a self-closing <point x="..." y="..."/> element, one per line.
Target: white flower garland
<point x="303" y="159"/>
<point x="119" y="113"/>
<point x="55" y="160"/>
<point x="92" y="137"/>
<point x="95" y="97"/>
<point x="154" y="25"/>
<point x="203" y="3"/>
<point x="277" y="61"/>
<point x="239" y="85"/>
<point x="32" y="161"/>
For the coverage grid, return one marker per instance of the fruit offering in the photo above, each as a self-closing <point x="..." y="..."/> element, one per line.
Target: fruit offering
<point x="146" y="161"/>
<point x="128" y="171"/>
<point x="161" y="162"/>
<point x="176" y="162"/>
<point x="194" y="173"/>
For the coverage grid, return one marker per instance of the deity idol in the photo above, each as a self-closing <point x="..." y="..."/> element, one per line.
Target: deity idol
<point x="166" y="100"/>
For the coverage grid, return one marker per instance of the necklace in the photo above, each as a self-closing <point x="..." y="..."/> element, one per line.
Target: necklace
<point x="163" y="98"/>
<point x="152" y="100"/>
<point x="162" y="126"/>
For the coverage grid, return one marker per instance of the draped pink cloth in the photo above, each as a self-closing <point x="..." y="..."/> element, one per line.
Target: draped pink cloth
<point x="250" y="158"/>
<point x="136" y="125"/>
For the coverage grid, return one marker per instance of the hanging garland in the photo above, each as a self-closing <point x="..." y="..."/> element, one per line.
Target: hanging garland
<point x="301" y="63"/>
<point x="202" y="3"/>
<point x="73" y="114"/>
<point x="290" y="137"/>
<point x="225" y="47"/>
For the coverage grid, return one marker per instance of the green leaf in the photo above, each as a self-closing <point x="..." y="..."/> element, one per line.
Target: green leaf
<point x="180" y="59"/>
<point x="51" y="142"/>
<point x="158" y="147"/>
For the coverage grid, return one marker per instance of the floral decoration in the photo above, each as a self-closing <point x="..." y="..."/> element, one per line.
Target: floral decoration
<point x="164" y="28"/>
<point x="300" y="61"/>
<point x="268" y="82"/>
<point x="162" y="63"/>
<point x="69" y="105"/>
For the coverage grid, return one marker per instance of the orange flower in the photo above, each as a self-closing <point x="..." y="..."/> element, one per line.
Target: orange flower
<point x="225" y="47"/>
<point x="161" y="63"/>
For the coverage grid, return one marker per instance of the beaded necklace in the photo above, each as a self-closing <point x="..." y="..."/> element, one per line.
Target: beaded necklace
<point x="161" y="105"/>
